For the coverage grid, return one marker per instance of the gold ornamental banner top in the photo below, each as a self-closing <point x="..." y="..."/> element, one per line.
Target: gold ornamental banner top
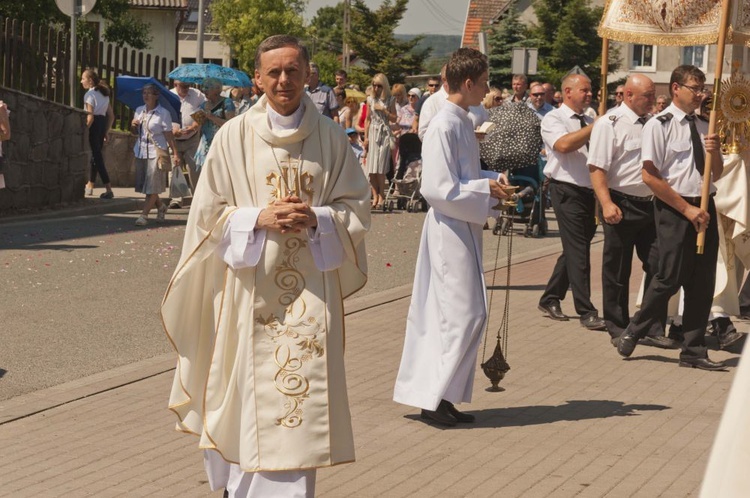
<point x="673" y="22"/>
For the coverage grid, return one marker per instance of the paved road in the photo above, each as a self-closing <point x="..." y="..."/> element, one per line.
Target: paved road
<point x="81" y="293"/>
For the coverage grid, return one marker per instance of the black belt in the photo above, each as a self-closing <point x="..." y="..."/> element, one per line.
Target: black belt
<point x="635" y="198"/>
<point x="578" y="187"/>
<point x="696" y="200"/>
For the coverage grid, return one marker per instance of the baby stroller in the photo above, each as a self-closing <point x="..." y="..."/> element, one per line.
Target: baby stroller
<point x="531" y="201"/>
<point x="403" y="190"/>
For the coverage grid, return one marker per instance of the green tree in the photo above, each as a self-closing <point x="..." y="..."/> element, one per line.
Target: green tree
<point x="567" y="36"/>
<point x="508" y="33"/>
<point x="373" y="41"/>
<point x="122" y="28"/>
<point x="243" y="24"/>
<point x="326" y="30"/>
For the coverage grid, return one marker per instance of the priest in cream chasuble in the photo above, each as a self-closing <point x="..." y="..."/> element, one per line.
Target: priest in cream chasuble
<point x="256" y="315"/>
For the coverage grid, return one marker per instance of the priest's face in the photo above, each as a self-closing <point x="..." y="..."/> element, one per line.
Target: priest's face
<point x="282" y="75"/>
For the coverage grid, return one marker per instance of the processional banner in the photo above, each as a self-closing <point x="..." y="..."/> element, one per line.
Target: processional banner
<point x="662" y="22"/>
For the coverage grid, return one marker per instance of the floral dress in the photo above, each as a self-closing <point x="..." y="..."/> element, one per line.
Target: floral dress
<point x="209" y="129"/>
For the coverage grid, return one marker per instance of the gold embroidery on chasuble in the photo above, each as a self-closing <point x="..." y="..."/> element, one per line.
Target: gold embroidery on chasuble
<point x="293" y="330"/>
<point x="289" y="181"/>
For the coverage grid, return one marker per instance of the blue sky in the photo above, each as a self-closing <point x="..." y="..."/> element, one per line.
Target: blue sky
<point x="438" y="17"/>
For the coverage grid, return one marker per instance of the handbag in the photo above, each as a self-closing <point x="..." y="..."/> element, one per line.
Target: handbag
<point x="179" y="187"/>
<point x="163" y="161"/>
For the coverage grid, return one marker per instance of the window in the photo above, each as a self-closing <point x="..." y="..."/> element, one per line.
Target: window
<point x="644" y="57"/>
<point x="192" y="60"/>
<point x="696" y="56"/>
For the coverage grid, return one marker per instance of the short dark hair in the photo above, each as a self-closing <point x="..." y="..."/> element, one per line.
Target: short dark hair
<point x="280" y="41"/>
<point x="465" y="63"/>
<point x="681" y="74"/>
<point x="341" y="72"/>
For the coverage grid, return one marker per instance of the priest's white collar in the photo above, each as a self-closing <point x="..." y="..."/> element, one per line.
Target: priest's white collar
<point x="280" y="122"/>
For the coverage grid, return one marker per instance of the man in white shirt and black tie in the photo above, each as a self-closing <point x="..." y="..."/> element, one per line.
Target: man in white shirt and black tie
<point x="566" y="132"/>
<point x="673" y="162"/>
<point x="627" y="208"/>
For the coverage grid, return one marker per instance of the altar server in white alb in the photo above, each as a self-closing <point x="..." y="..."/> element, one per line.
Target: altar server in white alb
<point x="273" y="244"/>
<point x="448" y="305"/>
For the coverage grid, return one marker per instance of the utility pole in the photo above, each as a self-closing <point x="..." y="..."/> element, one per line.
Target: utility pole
<point x="347" y="27"/>
<point x="201" y="29"/>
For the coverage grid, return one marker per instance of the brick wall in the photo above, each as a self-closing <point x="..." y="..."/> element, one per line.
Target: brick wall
<point x="47" y="157"/>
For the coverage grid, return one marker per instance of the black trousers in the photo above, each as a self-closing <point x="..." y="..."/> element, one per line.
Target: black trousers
<point x="635" y="232"/>
<point x="681" y="266"/>
<point x="574" y="209"/>
<point x="96" y="139"/>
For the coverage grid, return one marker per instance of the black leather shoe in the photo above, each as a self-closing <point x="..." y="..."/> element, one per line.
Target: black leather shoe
<point x="461" y="417"/>
<point x="659" y="341"/>
<point x="441" y="415"/>
<point x="593" y="322"/>
<point x="626" y="343"/>
<point x="702" y="363"/>
<point x="728" y="338"/>
<point x="724" y="330"/>
<point x="553" y="311"/>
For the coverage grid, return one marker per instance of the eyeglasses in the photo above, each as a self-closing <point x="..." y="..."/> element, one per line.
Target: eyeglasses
<point x="412" y="95"/>
<point x="618" y="93"/>
<point x="695" y="90"/>
<point x="497" y="98"/>
<point x="433" y="85"/>
<point x="538" y="94"/>
<point x="377" y="85"/>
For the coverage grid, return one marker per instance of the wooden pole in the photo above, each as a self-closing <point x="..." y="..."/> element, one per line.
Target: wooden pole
<point x="723" y="28"/>
<point x="605" y="64"/>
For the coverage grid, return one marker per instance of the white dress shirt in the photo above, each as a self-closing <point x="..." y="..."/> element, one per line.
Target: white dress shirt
<point x="569" y="167"/>
<point x="668" y="145"/>
<point x="189" y="105"/>
<point x="615" y="147"/>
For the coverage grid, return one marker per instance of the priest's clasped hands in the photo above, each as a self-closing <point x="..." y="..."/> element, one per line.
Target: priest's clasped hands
<point x="286" y="215"/>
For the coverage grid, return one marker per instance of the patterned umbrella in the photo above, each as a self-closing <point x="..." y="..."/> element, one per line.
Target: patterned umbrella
<point x="516" y="139"/>
<point x="196" y="73"/>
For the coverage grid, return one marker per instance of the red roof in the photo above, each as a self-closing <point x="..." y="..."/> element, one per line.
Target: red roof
<point x="479" y="17"/>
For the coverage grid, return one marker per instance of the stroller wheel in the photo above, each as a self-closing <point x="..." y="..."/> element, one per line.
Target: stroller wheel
<point x="390" y="206"/>
<point x="496" y="228"/>
<point x="527" y="231"/>
<point x="535" y="231"/>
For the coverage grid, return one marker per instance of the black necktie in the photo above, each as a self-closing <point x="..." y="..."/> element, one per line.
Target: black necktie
<point x="695" y="137"/>
<point x="584" y="124"/>
<point x="642" y="120"/>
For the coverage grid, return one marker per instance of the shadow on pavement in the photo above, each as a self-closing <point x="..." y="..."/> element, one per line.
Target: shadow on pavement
<point x="517" y="287"/>
<point x="47" y="234"/>
<point x="2" y="372"/>
<point x="574" y="410"/>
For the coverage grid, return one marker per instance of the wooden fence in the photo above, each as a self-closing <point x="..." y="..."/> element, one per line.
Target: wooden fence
<point x="36" y="60"/>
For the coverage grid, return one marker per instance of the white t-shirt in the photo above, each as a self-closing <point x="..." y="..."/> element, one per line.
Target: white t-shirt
<point x="99" y="102"/>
